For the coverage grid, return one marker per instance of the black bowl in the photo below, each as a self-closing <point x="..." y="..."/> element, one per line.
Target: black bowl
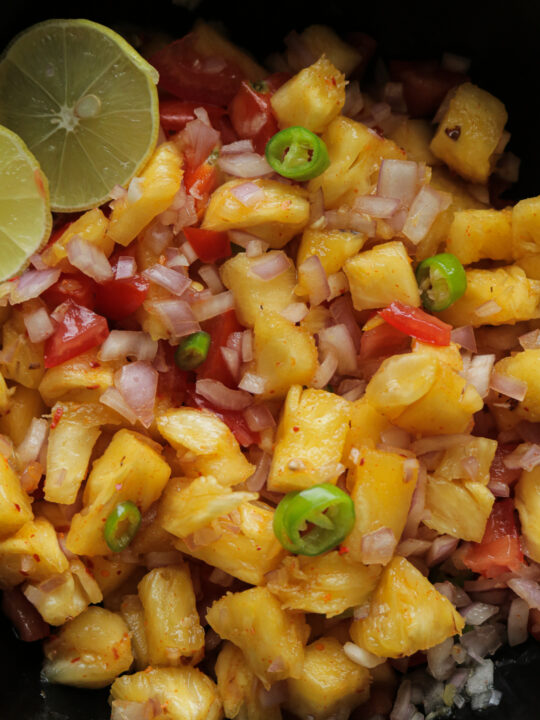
<point x="501" y="38"/>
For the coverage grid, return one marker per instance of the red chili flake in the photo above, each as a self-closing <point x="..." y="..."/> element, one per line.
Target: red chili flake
<point x="36" y="557"/>
<point x="296" y="428"/>
<point x="362" y="461"/>
<point x="118" y="486"/>
<point x="115" y="653"/>
<point x="94" y="364"/>
<point x="18" y="507"/>
<point x="92" y="387"/>
<point x="327" y="597"/>
<point x="76" y="659"/>
<point x="56" y="417"/>
<point x="105" y="573"/>
<point x="319" y="646"/>
<point x="343" y="550"/>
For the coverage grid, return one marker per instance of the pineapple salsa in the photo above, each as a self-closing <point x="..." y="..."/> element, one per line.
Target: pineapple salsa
<point x="270" y="412"/>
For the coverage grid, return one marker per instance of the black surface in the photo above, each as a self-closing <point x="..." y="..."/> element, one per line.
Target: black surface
<point x="502" y="40"/>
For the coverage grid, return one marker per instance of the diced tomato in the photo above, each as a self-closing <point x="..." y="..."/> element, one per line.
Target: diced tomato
<point x="173" y="383"/>
<point x="117" y="299"/>
<point x="79" y="330"/>
<point x="189" y="75"/>
<point x="498" y="471"/>
<point x="417" y="323"/>
<point x="274" y="81"/>
<point x="174" y="113"/>
<point x="209" y="244"/>
<point x="77" y="287"/>
<point x="252" y="116"/>
<point x="214" y="366"/>
<point x="425" y="84"/>
<point x="499" y="551"/>
<point x="234" y="419"/>
<point x="383" y="340"/>
<point x="200" y="182"/>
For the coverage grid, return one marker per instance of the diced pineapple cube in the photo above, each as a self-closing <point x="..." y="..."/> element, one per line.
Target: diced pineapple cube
<point x="481" y="450"/>
<point x="367" y="424"/>
<point x="133" y="614"/>
<point x="330" y="685"/>
<point x="328" y="584"/>
<point x="130" y="469"/>
<point x="277" y="217"/>
<point x="448" y="354"/>
<point x="478" y="234"/>
<point x="22" y="360"/>
<point x="158" y="184"/>
<point x="527" y="495"/>
<point x="457" y="507"/>
<point x="188" y="505"/>
<point x="15" y="508"/>
<point x="526" y="227"/>
<point x="530" y="264"/>
<point x="515" y="297"/>
<point x="244" y="619"/>
<point x="185" y="692"/>
<point x="312" y="98"/>
<point x="321" y="39"/>
<point x="523" y="366"/>
<point x="317" y="318"/>
<point x="310" y="440"/>
<point x="406" y="614"/>
<point x="32" y="553"/>
<point x="382" y="275"/>
<point x="469" y="132"/>
<point x="285" y="354"/>
<point x="24" y="404"/>
<point x="89" y="651"/>
<point x="414" y="135"/>
<point x="171" y="620"/>
<point x="91" y="227"/>
<point x="205" y="445"/>
<point x="110" y="572"/>
<point x="246" y="546"/>
<point x="332" y="247"/>
<point x="251" y="292"/>
<point x="82" y="379"/>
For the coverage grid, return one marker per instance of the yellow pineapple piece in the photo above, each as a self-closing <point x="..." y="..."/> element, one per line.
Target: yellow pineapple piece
<point x="527" y="495"/>
<point x="526" y="227"/>
<point x="82" y="379"/>
<point x="32" y="553"/>
<point x="330" y="684"/>
<point x="414" y="135"/>
<point x="328" y="584"/>
<point x="24" y="404"/>
<point x="158" y="184"/>
<point x="382" y="275"/>
<point x="406" y="614"/>
<point x="530" y="264"/>
<point x="367" y="424"/>
<point x="317" y="318"/>
<point x="482" y="450"/>
<point x="110" y="572"/>
<point x="321" y="39"/>
<point x="310" y="440"/>
<point x="185" y="693"/>
<point x="15" y="508"/>
<point x="22" y="360"/>
<point x="448" y="354"/>
<point x="312" y="98"/>
<point x="130" y="469"/>
<point x="89" y="651"/>
<point x="469" y="132"/>
<point x="91" y="227"/>
<point x="205" y="445"/>
<point x="523" y="366"/>
<point x="171" y="620"/>
<point x="478" y="234"/>
<point x="251" y="292"/>
<point x="332" y="247"/>
<point x="244" y="619"/>
<point x="4" y="395"/>
<point x="150" y="321"/>
<point x="133" y="614"/>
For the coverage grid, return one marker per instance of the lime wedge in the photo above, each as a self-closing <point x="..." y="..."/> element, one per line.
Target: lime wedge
<point x="85" y="102"/>
<point x="25" y="217"/>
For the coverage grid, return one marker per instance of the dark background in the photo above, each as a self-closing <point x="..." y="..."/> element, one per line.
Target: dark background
<point x="502" y="38"/>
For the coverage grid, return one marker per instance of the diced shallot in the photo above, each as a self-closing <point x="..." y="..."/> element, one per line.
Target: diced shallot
<point x="478" y="612"/>
<point x="423" y="212"/>
<point x="273" y="265"/>
<point x="137" y="383"/>
<point x="175" y="282"/>
<point x="375" y="206"/>
<point x="221" y="396"/>
<point x="255" y="482"/>
<point x="188" y="252"/>
<point x="30" y="447"/>
<point x="327" y="368"/>
<point x="39" y="325"/>
<point x="518" y="619"/>
<point x="342" y="311"/>
<point x="488" y="308"/>
<point x="232" y="361"/>
<point x="345" y="218"/>
<point x="417" y="507"/>
<point x="213" y="306"/>
<point x="313" y="277"/>
<point x="464" y="336"/>
<point x="295" y="312"/>
<point x="530" y="341"/>
<point x="524" y="457"/>
<point x="113" y="399"/>
<point x="398" y="179"/>
<point x="256" y="248"/>
<point x="248" y="193"/>
<point x="378" y="546"/>
<point x="177" y="316"/>
<point x="252" y="383"/>
<point x="122" y="344"/>
<point x="351" y="389"/>
<point x="478" y="373"/>
<point x="89" y="259"/>
<point x="339" y="339"/>
<point x="527" y="590"/>
<point x="362" y="657"/>
<point x="210" y="275"/>
<point x="126" y="267"/>
<point x="245" y="165"/>
<point x="32" y="283"/>
<point x="510" y="386"/>
<point x="259" y="417"/>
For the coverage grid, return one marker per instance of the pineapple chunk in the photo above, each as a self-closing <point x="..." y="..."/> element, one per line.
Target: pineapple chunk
<point x="276" y="218"/>
<point x="448" y="354"/>
<point x="312" y="98"/>
<point x="158" y="184"/>
<point x="24" y="404"/>
<point x="22" y="360"/>
<point x="523" y="366"/>
<point x="205" y="445"/>
<point x="245" y="617"/>
<point x="171" y="620"/>
<point x="367" y="424"/>
<point x="516" y="298"/>
<point x="356" y="153"/>
<point x="482" y="450"/>
<point x="459" y="508"/>
<point x="310" y="440"/>
<point x="32" y="553"/>
<point x="130" y="469"/>
<point x="133" y="614"/>
<point x="4" y="395"/>
<point x="321" y="39"/>
<point x="469" y="132"/>
<point x="530" y="264"/>
<point x="109" y="572"/>
<point x="414" y="135"/>
<point x="189" y="505"/>
<point x="478" y="234"/>
<point x="382" y="275"/>
<point x="285" y="354"/>
<point x="251" y="292"/>
<point x="184" y="693"/>
<point x="406" y="614"/>
<point x="332" y="247"/>
<point x="527" y="495"/>
<point x="149" y="320"/>
<point x="82" y="379"/>
<point x="526" y="227"/>
<point x="246" y="546"/>
<point x="15" y="508"/>
<point x="209" y="42"/>
<point x="318" y="317"/>
<point x="330" y="685"/>
<point x="91" y="226"/>
<point x="328" y="584"/>
<point x="89" y="651"/>
<point x="382" y="494"/>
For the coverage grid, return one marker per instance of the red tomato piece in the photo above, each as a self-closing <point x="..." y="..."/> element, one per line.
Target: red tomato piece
<point x="214" y="366"/>
<point x="425" y="84"/>
<point x="200" y="182"/>
<point x="79" y="330"/>
<point x="117" y="299"/>
<point x="276" y="80"/>
<point x="383" y="341"/>
<point x="252" y="116"/>
<point x="417" y="323"/>
<point x="174" y="114"/>
<point x="234" y="419"/>
<point x="499" y="551"/>
<point x="77" y="287"/>
<point x="209" y="245"/>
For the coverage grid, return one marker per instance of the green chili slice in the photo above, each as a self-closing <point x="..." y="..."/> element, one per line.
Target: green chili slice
<point x="314" y="520"/>
<point x="192" y="351"/>
<point x="297" y="153"/>
<point x="442" y="281"/>
<point x="121" y="526"/>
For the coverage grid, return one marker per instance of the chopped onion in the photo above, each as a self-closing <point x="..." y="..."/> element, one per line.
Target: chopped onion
<point x="398" y="179"/>
<point x="478" y="612"/>
<point x="342" y="311"/>
<point x="175" y="259"/>
<point x="137" y="383"/>
<point x="188" y="252"/>
<point x="295" y="312"/>
<point x="345" y="218"/>
<point x="37" y="261"/>
<point x="39" y="325"/>
<point x="198" y="141"/>
<point x="232" y="360"/>
<point x="527" y="590"/>
<point x="402" y="709"/>
<point x="274" y="265"/>
<point x="30" y="447"/>
<point x="411" y="468"/>
<point x="524" y="457"/>
<point x="354" y="101"/>
<point x="518" y="620"/>
<point x="245" y="165"/>
<point x="221" y="396"/>
<point x="239" y="146"/>
<point x="423" y="212"/>
<point x="375" y="206"/>
<point x="122" y="344"/>
<point x="32" y="283"/>
<point x="510" y="386"/>
<point x="378" y="546"/>
<point x="417" y="507"/>
<point x="159" y="234"/>
<point x="530" y="341"/>
<point x="362" y="657"/>
<point x="117" y="193"/>
<point x="441" y="549"/>
<point x="89" y="259"/>
<point x="252" y="383"/>
<point x="339" y="339"/>
<point x="177" y="316"/>
<point x="312" y="275"/>
<point x="499" y="489"/>
<point x="441" y="664"/>
<point x="213" y="306"/>
<point x="488" y="308"/>
<point x="478" y="373"/>
<point x="413" y="546"/>
<point x="352" y="389"/>
<point x="256" y="482"/>
<point x="126" y="267"/>
<point x="464" y="336"/>
<point x="256" y="248"/>
<point x="239" y="237"/>
<point x="327" y="368"/>
<point x="210" y="276"/>
<point x="135" y="190"/>
<point x="259" y="417"/>
<point x="338" y="284"/>
<point x="248" y="193"/>
<point x="175" y="282"/>
<point x="247" y="346"/>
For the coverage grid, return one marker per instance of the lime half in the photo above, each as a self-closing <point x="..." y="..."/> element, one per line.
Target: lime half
<point x="25" y="217"/>
<point x="85" y="102"/>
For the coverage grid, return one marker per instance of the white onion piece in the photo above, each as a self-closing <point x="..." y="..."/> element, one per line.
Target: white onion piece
<point x="259" y="417"/>
<point x="188" y="252"/>
<point x="248" y="193"/>
<point x="465" y="337"/>
<point x="375" y="206"/>
<point x="213" y="306"/>
<point x="413" y="546"/>
<point x="252" y="383"/>
<point x="89" y="259"/>
<point x="530" y="341"/>
<point x="440" y="661"/>
<point x="159" y="234"/>
<point x="339" y="339"/>
<point x="398" y="179"/>
<point x="362" y="657"/>
<point x="239" y="146"/>
<point x="423" y="212"/>
<point x="245" y="165"/>
<point x="247" y="346"/>
<point x="417" y="507"/>
<point x="312" y="275"/>
<point x="338" y="284"/>
<point x="499" y="489"/>
<point x="411" y="468"/>
<point x="126" y="267"/>
<point x="255" y="482"/>
<point x="518" y="620"/>
<point x="221" y="396"/>
<point x="524" y="457"/>
<point x="175" y="282"/>
<point x="488" y="308"/>
<point x="198" y="140"/>
<point x="137" y="383"/>
<point x="438" y="442"/>
<point x="256" y="248"/>
<point x="232" y="360"/>
<point x="527" y="590"/>
<point x="177" y="316"/>
<point x="239" y="237"/>
<point x="402" y="709"/>
<point x="352" y="389"/>
<point x="175" y="259"/>
<point x="345" y="218"/>
<point x="32" y="283"/>
<point x="295" y="312"/>
<point x="122" y="344"/>
<point x="37" y="262"/>
<point x="478" y="612"/>
<point x="274" y="265"/>
<point x="39" y="325"/>
<point x="378" y="546"/>
<point x="30" y="447"/>
<point x="510" y="386"/>
<point x="117" y="193"/>
<point x="478" y="373"/>
<point x="210" y="276"/>
<point x="327" y="368"/>
<point x="342" y="311"/>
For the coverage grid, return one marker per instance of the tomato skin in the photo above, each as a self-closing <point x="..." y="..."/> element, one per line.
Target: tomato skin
<point x="175" y="114"/>
<point x="417" y="323"/>
<point x="252" y="116"/>
<point x="79" y="330"/>
<point x="234" y="419"/>
<point x="209" y="245"/>
<point x="214" y="366"/>
<point x="382" y="341"/>
<point x="117" y="299"/>
<point x="500" y="551"/>
<point x="77" y="287"/>
<point x="200" y="182"/>
<point x="425" y="84"/>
